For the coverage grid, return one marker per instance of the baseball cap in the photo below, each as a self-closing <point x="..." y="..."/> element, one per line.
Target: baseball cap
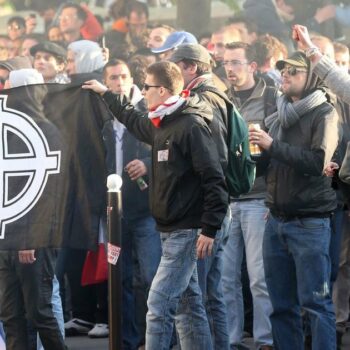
<point x="194" y="52"/>
<point x="175" y="39"/>
<point x="297" y="59"/>
<point x="50" y="47"/>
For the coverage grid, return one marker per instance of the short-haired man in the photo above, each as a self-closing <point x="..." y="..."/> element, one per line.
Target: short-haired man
<point x="269" y="50"/>
<point x="303" y="136"/>
<point x="50" y="61"/>
<point x="195" y="63"/>
<point x="255" y="101"/>
<point x="141" y="242"/>
<point x="71" y="19"/>
<point x="187" y="192"/>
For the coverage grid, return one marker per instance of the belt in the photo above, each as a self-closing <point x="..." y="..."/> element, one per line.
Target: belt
<point x="289" y="217"/>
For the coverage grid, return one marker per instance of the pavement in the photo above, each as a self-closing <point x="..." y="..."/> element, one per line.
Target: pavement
<point x="86" y="343"/>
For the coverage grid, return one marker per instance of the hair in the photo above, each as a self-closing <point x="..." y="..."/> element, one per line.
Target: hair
<point x="340" y="48"/>
<point x="17" y="19"/>
<point x="250" y="25"/>
<point x="138" y="66"/>
<point x="112" y="63"/>
<point x="164" y="26"/>
<point x="268" y="46"/>
<point x="167" y="74"/>
<point x="80" y="11"/>
<point x="322" y="38"/>
<point x="249" y="50"/>
<point x="202" y="67"/>
<point x="135" y="6"/>
<point x="230" y="34"/>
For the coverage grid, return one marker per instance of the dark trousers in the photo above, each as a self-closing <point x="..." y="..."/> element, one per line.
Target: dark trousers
<point x="25" y="293"/>
<point x="83" y="299"/>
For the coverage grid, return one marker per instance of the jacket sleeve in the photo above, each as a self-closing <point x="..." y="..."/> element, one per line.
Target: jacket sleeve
<point x="206" y="163"/>
<point x="335" y="79"/>
<point x="136" y="122"/>
<point x="344" y="173"/>
<point x="323" y="145"/>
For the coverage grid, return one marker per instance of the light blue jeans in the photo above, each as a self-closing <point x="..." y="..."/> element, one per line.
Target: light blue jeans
<point x="246" y="232"/>
<point x="210" y="282"/>
<point x="56" y="309"/>
<point x="175" y="294"/>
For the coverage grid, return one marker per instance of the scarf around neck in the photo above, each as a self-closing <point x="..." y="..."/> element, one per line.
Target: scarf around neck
<point x="289" y="113"/>
<point x="169" y="106"/>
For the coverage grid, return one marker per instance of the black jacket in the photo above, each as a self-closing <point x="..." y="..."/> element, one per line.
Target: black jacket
<point x="218" y="117"/>
<point x="187" y="187"/>
<point x="296" y="185"/>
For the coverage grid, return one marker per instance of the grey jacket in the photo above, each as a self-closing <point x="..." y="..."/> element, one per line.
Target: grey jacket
<point x="334" y="78"/>
<point x="253" y="111"/>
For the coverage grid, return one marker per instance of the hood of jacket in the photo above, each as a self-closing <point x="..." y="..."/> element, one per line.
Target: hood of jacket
<point x="87" y="55"/>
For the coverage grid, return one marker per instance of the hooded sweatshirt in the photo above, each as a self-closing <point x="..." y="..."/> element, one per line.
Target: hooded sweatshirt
<point x="88" y="56"/>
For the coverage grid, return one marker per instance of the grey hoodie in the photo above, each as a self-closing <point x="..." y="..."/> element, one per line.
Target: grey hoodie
<point x="88" y="56"/>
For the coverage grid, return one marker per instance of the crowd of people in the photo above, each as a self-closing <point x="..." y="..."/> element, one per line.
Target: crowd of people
<point x="202" y="269"/>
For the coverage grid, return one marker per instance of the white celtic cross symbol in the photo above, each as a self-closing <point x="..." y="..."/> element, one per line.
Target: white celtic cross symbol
<point x="37" y="163"/>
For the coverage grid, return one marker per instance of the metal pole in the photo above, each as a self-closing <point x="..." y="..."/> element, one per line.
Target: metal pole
<point x="114" y="183"/>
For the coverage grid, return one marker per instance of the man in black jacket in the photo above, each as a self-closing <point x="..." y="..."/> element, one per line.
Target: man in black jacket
<point x="187" y="193"/>
<point x="303" y="136"/>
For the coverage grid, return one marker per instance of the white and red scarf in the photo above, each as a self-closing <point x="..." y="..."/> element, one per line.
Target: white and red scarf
<point x="157" y="113"/>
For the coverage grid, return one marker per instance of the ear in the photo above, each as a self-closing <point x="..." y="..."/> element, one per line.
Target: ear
<point x="253" y="66"/>
<point x="192" y="68"/>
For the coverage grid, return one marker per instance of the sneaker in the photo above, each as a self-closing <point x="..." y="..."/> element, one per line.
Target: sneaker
<point x="101" y="330"/>
<point x="77" y="326"/>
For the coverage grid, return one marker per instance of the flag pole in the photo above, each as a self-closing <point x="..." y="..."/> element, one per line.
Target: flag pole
<point x="114" y="209"/>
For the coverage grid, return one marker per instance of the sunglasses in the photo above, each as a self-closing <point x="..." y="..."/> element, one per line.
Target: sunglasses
<point x="146" y="87"/>
<point x="292" y="70"/>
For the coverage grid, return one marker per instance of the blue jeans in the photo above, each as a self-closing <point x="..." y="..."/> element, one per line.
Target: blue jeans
<point x="209" y="278"/>
<point x="140" y="242"/>
<point x="246" y="232"/>
<point x="297" y="270"/>
<point x="175" y="294"/>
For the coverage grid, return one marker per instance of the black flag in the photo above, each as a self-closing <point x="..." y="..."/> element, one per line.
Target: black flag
<point x="56" y="151"/>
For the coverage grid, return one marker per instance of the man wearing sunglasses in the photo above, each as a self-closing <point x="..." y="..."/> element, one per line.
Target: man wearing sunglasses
<point x="187" y="193"/>
<point x="302" y="138"/>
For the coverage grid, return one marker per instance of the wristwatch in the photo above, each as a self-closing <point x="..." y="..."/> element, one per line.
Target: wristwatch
<point x="311" y="51"/>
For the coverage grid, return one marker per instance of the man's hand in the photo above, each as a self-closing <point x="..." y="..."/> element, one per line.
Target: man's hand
<point x="301" y="35"/>
<point x="204" y="246"/>
<point x="330" y="169"/>
<point x="26" y="256"/>
<point x="260" y="138"/>
<point x="96" y="86"/>
<point x="136" y="168"/>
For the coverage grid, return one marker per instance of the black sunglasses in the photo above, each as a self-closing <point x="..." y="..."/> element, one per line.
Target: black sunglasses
<point x="292" y="70"/>
<point x="146" y="87"/>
